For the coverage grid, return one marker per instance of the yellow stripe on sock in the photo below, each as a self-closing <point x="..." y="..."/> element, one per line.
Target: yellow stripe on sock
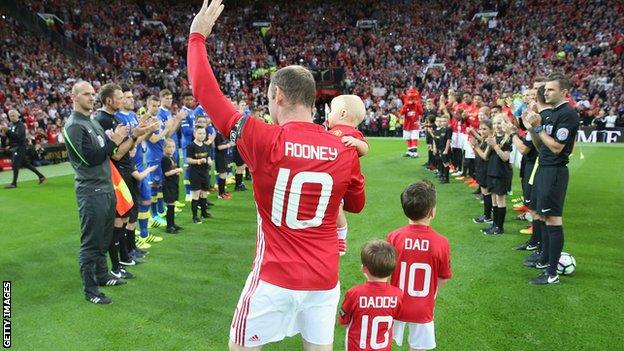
<point x="160" y="195"/>
<point x="143" y="215"/>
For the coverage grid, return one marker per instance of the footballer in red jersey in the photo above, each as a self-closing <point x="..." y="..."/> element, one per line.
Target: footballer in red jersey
<point x="411" y="111"/>
<point x="423" y="265"/>
<point x="369" y="309"/>
<point x="300" y="178"/>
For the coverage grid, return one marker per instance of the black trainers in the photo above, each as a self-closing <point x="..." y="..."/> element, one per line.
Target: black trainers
<point x="178" y="227"/>
<point x="136" y="255"/>
<point x="494" y="230"/>
<point x="482" y="219"/>
<point x="206" y="215"/>
<point x="540" y="265"/>
<point x="130" y="262"/>
<point x="112" y="281"/>
<point x="545" y="279"/>
<point x="125" y="274"/>
<point x="98" y="299"/>
<point x="526" y="247"/>
<point x="530" y="260"/>
<point x="122" y="274"/>
<point x="486" y="229"/>
<point x="196" y="220"/>
<point x="171" y="230"/>
<point x="240" y="187"/>
<point x="209" y="204"/>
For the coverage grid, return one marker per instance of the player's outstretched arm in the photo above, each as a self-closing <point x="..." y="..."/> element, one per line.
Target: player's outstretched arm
<point x="205" y="86"/>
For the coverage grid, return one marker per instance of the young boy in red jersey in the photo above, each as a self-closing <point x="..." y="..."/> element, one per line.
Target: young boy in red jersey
<point x="368" y="309"/>
<point x="423" y="265"/>
<point x="346" y="114"/>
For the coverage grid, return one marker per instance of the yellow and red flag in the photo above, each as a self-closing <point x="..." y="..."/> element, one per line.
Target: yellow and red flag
<point x="122" y="193"/>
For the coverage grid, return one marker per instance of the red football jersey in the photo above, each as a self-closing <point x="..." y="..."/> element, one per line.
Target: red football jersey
<point x="411" y="114"/>
<point x="341" y="130"/>
<point x="300" y="175"/>
<point x="369" y="311"/>
<point x="423" y="256"/>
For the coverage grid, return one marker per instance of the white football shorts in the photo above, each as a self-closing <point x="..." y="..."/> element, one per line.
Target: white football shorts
<point x="268" y="313"/>
<point x="421" y="335"/>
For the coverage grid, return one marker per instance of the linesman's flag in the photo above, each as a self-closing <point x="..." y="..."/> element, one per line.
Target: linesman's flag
<point x="122" y="193"/>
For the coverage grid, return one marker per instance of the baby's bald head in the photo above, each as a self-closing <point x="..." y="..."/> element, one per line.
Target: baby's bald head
<point x="347" y="109"/>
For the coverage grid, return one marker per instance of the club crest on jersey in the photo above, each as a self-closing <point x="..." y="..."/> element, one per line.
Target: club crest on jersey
<point x="337" y="132"/>
<point x="562" y="134"/>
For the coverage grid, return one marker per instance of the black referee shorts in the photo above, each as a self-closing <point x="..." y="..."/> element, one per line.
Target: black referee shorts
<point x="549" y="190"/>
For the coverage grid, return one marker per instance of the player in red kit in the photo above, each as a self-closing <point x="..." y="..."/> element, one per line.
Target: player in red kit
<point x="300" y="178"/>
<point x="368" y="309"/>
<point x="411" y="111"/>
<point x="423" y="265"/>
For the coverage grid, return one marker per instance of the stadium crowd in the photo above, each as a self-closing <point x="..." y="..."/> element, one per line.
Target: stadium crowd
<point x="146" y="46"/>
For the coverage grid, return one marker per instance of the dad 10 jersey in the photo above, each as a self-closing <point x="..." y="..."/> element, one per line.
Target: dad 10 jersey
<point x="423" y="256"/>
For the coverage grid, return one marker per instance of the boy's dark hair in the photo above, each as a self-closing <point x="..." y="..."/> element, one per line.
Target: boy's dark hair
<point x="418" y="199"/>
<point x="379" y="257"/>
<point x="153" y="98"/>
<point x="186" y="93"/>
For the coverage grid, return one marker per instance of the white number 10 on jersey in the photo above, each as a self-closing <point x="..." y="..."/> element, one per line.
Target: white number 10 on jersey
<point x="294" y="198"/>
<point x="374" y="332"/>
<point x="411" y="279"/>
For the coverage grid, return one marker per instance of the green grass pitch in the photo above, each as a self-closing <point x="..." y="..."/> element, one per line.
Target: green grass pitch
<point x="183" y="298"/>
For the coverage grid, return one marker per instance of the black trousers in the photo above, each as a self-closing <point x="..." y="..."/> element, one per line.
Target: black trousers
<point x="20" y="159"/>
<point x="97" y="216"/>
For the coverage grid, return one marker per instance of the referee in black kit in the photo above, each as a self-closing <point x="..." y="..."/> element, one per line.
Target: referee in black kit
<point x="16" y="132"/>
<point x="553" y="132"/>
<point x="89" y="150"/>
